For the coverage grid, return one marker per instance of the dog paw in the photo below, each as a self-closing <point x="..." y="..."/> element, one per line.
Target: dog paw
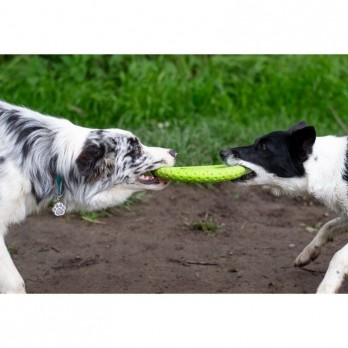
<point x="328" y="288"/>
<point x="15" y="288"/>
<point x="20" y="289"/>
<point x="308" y="254"/>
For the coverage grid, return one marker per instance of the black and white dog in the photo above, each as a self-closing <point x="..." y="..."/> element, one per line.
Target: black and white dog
<point x="297" y="162"/>
<point x="43" y="158"/>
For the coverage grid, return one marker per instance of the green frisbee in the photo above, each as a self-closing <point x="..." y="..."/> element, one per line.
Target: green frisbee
<point x="201" y="174"/>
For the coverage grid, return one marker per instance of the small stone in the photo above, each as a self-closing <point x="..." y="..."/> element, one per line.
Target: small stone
<point x="310" y="229"/>
<point x="233" y="270"/>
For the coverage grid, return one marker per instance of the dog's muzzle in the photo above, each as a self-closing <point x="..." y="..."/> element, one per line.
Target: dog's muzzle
<point x="225" y="154"/>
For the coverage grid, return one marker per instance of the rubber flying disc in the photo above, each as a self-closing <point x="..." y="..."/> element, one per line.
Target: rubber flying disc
<point x="202" y="174"/>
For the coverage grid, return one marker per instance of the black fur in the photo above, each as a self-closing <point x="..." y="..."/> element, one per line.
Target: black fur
<point x="281" y="153"/>
<point x="37" y="150"/>
<point x="92" y="162"/>
<point x="345" y="173"/>
<point x="29" y="135"/>
<point x="133" y="149"/>
<point x="101" y="151"/>
<point x="107" y="158"/>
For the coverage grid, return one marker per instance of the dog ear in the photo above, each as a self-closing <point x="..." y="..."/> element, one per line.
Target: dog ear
<point x="94" y="162"/>
<point x="297" y="126"/>
<point x="302" y="140"/>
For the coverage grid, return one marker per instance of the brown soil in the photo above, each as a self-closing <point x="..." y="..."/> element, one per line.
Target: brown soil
<point x="152" y="249"/>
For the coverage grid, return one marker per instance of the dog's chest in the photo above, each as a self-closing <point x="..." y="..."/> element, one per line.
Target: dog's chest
<point x="329" y="188"/>
<point x="336" y="200"/>
<point x="324" y="172"/>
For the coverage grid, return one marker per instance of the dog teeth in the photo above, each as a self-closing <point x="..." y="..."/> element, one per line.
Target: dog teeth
<point x="146" y="177"/>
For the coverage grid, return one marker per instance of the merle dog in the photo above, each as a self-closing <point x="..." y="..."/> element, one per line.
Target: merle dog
<point x="44" y="158"/>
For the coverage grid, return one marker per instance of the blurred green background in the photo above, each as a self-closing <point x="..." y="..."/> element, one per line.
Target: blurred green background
<point x="195" y="104"/>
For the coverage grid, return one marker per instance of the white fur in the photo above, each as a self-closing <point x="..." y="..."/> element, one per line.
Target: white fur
<point x="323" y="180"/>
<point x="17" y="199"/>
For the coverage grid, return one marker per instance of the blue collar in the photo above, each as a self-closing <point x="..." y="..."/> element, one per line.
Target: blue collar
<point x="59" y="182"/>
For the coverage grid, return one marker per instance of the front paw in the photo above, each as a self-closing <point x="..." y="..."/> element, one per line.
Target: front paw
<point x="14" y="288"/>
<point x="309" y="254"/>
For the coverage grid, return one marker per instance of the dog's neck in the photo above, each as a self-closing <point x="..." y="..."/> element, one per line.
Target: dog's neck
<point x="291" y="186"/>
<point x="323" y="175"/>
<point x="324" y="169"/>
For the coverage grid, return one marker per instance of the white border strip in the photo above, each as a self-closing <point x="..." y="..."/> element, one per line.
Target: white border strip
<point x="174" y="26"/>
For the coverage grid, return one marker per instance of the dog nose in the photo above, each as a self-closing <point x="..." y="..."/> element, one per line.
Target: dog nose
<point x="224" y="154"/>
<point x="173" y="153"/>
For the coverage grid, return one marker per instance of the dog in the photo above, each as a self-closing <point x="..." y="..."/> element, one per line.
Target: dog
<point x="297" y="162"/>
<point x="45" y="159"/>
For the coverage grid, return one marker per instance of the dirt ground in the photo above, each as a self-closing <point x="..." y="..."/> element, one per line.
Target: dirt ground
<point x="158" y="247"/>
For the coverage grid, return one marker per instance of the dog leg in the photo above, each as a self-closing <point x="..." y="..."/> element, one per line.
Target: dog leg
<point x="336" y="272"/>
<point x="313" y="249"/>
<point x="10" y="279"/>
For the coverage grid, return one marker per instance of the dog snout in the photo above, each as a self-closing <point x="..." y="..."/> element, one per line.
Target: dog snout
<point x="225" y="153"/>
<point x="234" y="153"/>
<point x="173" y="153"/>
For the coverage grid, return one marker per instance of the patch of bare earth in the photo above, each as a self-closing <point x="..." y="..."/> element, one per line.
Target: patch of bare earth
<point x="164" y="245"/>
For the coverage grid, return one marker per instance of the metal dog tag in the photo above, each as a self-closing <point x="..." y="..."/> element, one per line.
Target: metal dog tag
<point x="59" y="209"/>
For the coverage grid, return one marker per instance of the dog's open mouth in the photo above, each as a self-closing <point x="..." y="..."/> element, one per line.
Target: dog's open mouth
<point x="149" y="178"/>
<point x="247" y="176"/>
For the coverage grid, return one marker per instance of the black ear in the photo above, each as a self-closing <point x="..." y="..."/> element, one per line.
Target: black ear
<point x="94" y="162"/>
<point x="302" y="140"/>
<point x="297" y="126"/>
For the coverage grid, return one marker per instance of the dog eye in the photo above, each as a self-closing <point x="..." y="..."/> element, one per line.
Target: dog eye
<point x="137" y="150"/>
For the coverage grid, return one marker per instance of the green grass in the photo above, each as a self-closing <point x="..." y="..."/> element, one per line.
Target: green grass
<point x="93" y="216"/>
<point x="195" y="104"/>
<point x="97" y="216"/>
<point x="235" y="197"/>
<point x="12" y="250"/>
<point x="207" y="226"/>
